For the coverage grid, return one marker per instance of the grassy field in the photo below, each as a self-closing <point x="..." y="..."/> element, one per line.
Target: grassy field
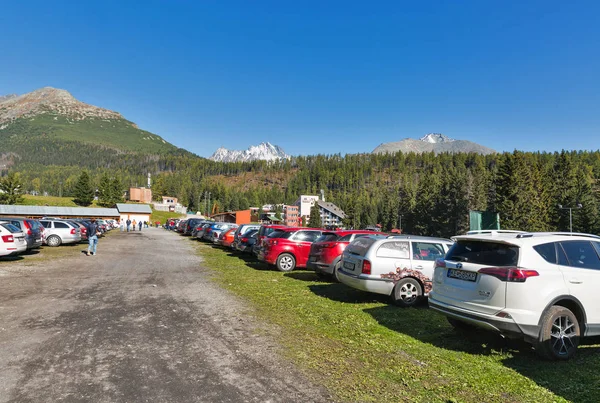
<point x="29" y="200"/>
<point x="162" y="216"/>
<point x="364" y="349"/>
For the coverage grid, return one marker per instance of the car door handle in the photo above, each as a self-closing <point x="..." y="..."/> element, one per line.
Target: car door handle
<point x="419" y="267"/>
<point x="575" y="281"/>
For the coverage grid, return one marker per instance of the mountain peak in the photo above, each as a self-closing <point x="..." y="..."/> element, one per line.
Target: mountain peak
<point x="436" y="138"/>
<point x="264" y="151"/>
<point x="49" y="100"/>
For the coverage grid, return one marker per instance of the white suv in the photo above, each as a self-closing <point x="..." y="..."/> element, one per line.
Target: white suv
<point x="400" y="266"/>
<point x="542" y="287"/>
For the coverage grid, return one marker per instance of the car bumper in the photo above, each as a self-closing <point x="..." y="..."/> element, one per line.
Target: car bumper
<point x="320" y="267"/>
<point x="364" y="283"/>
<point x="504" y="326"/>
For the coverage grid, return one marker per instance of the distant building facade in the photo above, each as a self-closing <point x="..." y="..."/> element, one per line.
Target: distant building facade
<point x="140" y="195"/>
<point x="291" y="216"/>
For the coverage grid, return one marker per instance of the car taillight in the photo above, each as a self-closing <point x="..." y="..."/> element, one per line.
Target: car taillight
<point x="440" y="263"/>
<point x="8" y="238"/>
<point x="366" y="267"/>
<point x="28" y="227"/>
<point x="273" y="242"/>
<point x="328" y="245"/>
<point x="244" y="239"/>
<point x="73" y="231"/>
<point x="509" y="274"/>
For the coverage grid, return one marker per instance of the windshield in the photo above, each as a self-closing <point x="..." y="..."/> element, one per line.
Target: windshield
<point x="11" y="228"/>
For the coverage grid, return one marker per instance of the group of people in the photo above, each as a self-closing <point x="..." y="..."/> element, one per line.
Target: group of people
<point x="130" y="225"/>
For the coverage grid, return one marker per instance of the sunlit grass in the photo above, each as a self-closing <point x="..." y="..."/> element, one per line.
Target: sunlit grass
<point x="364" y="349"/>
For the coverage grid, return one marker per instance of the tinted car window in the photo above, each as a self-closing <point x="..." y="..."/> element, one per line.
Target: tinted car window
<point x="488" y="253"/>
<point x="46" y="224"/>
<point x="329" y="237"/>
<point x="547" y="251"/>
<point x="306" y="236"/>
<point x="427" y="251"/>
<point x="60" y="225"/>
<point x="395" y="249"/>
<point x="16" y="224"/>
<point x="11" y="228"/>
<point x="360" y="246"/>
<point x="581" y="254"/>
<point x="280" y="234"/>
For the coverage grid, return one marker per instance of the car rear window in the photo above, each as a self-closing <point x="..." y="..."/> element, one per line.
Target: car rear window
<point x="487" y="253"/>
<point x="11" y="228"/>
<point x="328" y="237"/>
<point x="360" y="246"/>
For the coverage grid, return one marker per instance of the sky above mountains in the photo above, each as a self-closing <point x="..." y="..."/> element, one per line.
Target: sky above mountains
<point x="319" y="77"/>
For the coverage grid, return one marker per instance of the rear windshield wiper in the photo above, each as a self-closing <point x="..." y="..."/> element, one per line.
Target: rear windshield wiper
<point x="459" y="258"/>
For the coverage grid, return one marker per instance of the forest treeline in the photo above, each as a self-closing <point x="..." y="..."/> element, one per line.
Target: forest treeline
<point x="423" y="194"/>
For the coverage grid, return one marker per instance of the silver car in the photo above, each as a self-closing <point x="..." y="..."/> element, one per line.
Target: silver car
<point x="58" y="232"/>
<point x="12" y="240"/>
<point x="400" y="266"/>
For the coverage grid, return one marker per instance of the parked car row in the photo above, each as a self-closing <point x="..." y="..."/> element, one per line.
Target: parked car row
<point x="539" y="287"/>
<point x="19" y="235"/>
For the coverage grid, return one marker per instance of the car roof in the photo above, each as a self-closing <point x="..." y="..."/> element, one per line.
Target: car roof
<point x="415" y="237"/>
<point x="343" y="232"/>
<point x="520" y="238"/>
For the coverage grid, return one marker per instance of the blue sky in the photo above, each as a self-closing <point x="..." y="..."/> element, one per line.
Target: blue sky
<point x="319" y="76"/>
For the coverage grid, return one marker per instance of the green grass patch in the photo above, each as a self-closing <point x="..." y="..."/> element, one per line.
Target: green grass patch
<point x="163" y="216"/>
<point x="364" y="349"/>
<point x="29" y="200"/>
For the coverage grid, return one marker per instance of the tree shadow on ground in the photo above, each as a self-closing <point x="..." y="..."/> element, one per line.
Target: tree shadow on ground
<point x="11" y="258"/>
<point x="307" y="275"/>
<point x="572" y="380"/>
<point x="249" y="260"/>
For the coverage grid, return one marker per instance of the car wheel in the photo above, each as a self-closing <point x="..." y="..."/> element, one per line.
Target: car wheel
<point x="53" y="240"/>
<point x="407" y="292"/>
<point x="286" y="262"/>
<point x="559" y="334"/>
<point x="459" y="324"/>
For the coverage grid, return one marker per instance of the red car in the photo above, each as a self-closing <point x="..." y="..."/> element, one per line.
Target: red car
<point x="263" y="232"/>
<point x="288" y="248"/>
<point x="325" y="255"/>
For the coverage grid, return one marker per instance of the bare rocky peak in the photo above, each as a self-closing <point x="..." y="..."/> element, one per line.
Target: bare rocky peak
<point x="263" y="151"/>
<point x="433" y="142"/>
<point x="49" y="100"/>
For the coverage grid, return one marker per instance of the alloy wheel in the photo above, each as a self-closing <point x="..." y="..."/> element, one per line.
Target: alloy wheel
<point x="562" y="335"/>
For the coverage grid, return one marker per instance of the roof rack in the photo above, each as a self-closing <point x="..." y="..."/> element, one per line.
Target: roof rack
<point x="494" y="231"/>
<point x="581" y="234"/>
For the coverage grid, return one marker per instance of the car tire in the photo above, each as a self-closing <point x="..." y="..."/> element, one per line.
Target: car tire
<point x="53" y="241"/>
<point x="407" y="292"/>
<point x="459" y="324"/>
<point x="286" y="262"/>
<point x="559" y="334"/>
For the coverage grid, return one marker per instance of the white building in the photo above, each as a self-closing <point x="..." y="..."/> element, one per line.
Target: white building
<point x="304" y="203"/>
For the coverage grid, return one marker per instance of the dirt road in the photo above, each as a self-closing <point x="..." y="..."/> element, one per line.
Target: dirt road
<point x="140" y="322"/>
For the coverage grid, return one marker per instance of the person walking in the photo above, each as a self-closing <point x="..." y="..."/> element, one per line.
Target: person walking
<point x="122" y="225"/>
<point x="93" y="232"/>
<point x="128" y="222"/>
<point x="140" y="225"/>
<point x="134" y="224"/>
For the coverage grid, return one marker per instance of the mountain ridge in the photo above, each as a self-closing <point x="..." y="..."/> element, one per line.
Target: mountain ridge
<point x="264" y="151"/>
<point x="433" y="142"/>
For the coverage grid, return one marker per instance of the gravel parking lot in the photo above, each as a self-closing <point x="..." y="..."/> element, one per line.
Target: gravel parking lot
<point x="140" y="322"/>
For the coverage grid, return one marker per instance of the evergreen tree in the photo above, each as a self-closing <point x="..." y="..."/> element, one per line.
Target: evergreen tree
<point x="315" y="216"/>
<point x="84" y="191"/>
<point x="116" y="191"/>
<point x="11" y="189"/>
<point x="105" y="191"/>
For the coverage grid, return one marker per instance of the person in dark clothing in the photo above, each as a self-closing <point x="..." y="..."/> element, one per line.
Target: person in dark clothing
<point x="128" y="222"/>
<point x="93" y="232"/>
<point x="140" y="225"/>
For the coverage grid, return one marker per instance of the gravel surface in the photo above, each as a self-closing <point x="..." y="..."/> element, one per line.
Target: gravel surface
<point x="139" y="322"/>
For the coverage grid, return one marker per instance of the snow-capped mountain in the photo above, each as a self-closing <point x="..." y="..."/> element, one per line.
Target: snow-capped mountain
<point x="436" y="142"/>
<point x="263" y="151"/>
<point x="436" y="138"/>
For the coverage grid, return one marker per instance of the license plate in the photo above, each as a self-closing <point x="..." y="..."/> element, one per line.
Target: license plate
<point x="462" y="275"/>
<point x="349" y="265"/>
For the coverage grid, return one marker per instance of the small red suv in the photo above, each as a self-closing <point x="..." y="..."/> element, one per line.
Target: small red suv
<point x="326" y="253"/>
<point x="288" y="248"/>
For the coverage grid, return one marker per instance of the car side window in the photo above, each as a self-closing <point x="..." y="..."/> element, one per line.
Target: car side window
<point x="427" y="251"/>
<point x="547" y="251"/>
<point x="60" y="225"/>
<point x="581" y="254"/>
<point x="345" y="238"/>
<point x="307" y="236"/>
<point x="394" y="249"/>
<point x="46" y="224"/>
<point x="16" y="224"/>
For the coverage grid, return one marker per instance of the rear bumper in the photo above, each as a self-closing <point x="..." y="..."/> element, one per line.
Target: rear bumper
<point x="504" y="326"/>
<point x="320" y="267"/>
<point x="365" y="283"/>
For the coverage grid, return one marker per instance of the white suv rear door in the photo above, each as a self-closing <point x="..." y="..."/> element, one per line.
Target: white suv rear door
<point x="580" y="265"/>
